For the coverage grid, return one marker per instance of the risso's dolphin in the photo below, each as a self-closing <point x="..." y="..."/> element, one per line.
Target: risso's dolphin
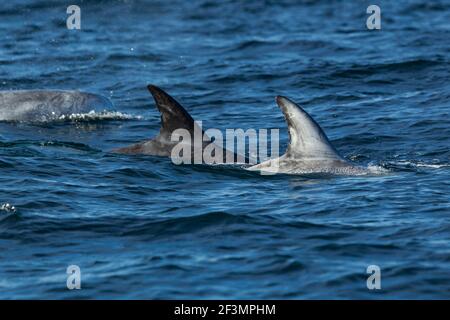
<point x="309" y="150"/>
<point x="188" y="148"/>
<point x="43" y="105"/>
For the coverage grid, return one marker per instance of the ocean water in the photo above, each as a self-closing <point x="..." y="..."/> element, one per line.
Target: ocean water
<point x="142" y="227"/>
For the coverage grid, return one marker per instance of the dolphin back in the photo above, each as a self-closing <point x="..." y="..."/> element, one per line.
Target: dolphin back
<point x="43" y="105"/>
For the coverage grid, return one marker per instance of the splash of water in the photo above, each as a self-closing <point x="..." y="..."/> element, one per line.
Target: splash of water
<point x="419" y="164"/>
<point x="98" y="116"/>
<point x="7" y="207"/>
<point x="6" y="210"/>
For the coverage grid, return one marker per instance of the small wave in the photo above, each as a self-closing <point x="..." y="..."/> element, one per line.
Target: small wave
<point x="364" y="70"/>
<point x="253" y="43"/>
<point x="180" y="225"/>
<point x="425" y="7"/>
<point x="27" y="147"/>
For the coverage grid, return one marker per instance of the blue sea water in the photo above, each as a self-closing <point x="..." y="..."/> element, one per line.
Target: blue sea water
<point x="142" y="227"/>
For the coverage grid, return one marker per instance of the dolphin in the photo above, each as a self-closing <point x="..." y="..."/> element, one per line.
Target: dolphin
<point x="174" y="117"/>
<point x="309" y="150"/>
<point x="43" y="105"/>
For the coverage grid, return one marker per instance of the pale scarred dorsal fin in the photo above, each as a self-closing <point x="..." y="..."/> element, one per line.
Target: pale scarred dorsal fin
<point x="307" y="140"/>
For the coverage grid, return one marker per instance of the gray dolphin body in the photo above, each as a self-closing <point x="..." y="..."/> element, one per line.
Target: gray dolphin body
<point x="309" y="150"/>
<point x="173" y="117"/>
<point x="42" y="105"/>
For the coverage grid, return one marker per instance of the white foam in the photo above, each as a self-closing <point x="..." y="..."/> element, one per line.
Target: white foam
<point x="418" y="164"/>
<point x="376" y="169"/>
<point x="338" y="171"/>
<point x="98" y="116"/>
<point x="6" y="210"/>
<point x="7" y="207"/>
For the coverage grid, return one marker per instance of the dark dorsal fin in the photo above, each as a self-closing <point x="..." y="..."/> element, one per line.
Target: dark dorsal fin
<point x="173" y="115"/>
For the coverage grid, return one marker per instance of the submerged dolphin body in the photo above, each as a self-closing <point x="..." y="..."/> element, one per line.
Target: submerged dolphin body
<point x="43" y="105"/>
<point x="173" y="117"/>
<point x="309" y="150"/>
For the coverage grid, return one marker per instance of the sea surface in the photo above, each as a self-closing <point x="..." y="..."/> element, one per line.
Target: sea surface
<point x="143" y="227"/>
